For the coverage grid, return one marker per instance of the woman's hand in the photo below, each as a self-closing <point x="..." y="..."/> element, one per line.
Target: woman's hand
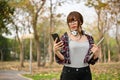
<point x="57" y="46"/>
<point x="94" y="49"/>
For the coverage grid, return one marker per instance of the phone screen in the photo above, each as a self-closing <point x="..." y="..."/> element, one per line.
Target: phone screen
<point x="54" y="36"/>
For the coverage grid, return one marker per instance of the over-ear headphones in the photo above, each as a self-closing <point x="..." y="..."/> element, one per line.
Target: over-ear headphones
<point x="74" y="33"/>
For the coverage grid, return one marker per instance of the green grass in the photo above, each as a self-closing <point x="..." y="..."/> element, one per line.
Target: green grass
<point x="110" y="72"/>
<point x="105" y="76"/>
<point x="44" y="76"/>
<point x="55" y="76"/>
<point x="99" y="72"/>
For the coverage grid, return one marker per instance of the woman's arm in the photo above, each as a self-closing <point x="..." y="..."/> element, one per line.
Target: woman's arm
<point x="59" y="55"/>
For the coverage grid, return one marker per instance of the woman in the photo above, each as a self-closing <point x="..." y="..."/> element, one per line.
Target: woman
<point x="73" y="51"/>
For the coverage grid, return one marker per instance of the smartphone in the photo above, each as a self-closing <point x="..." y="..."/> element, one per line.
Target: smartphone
<point x="54" y="36"/>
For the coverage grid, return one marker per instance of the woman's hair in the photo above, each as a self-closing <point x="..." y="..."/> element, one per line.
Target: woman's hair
<point x="75" y="16"/>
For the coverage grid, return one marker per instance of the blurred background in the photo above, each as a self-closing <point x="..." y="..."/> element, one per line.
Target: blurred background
<point x="26" y="25"/>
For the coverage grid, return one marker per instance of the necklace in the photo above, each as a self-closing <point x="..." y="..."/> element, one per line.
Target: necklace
<point x="76" y="37"/>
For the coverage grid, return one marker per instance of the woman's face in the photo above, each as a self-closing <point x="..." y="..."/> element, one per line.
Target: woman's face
<point x="73" y="25"/>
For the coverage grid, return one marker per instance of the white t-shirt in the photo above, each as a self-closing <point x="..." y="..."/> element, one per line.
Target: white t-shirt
<point x="78" y="51"/>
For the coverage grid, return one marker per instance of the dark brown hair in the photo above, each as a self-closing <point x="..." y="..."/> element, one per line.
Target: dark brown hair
<point x="75" y="16"/>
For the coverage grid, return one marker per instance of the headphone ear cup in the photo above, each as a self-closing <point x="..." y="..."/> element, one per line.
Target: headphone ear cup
<point x="74" y="33"/>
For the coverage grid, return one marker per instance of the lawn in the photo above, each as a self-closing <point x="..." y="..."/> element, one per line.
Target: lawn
<point x="44" y="76"/>
<point x="100" y="71"/>
<point x="55" y="76"/>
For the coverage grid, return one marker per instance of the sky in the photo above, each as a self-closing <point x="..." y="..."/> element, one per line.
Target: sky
<point x="89" y="14"/>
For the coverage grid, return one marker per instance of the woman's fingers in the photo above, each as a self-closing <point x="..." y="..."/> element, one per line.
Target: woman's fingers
<point x="55" y="40"/>
<point x="60" y="43"/>
<point x="94" y="48"/>
<point x="57" y="46"/>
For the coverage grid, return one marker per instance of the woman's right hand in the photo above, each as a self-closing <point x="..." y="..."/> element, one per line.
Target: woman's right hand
<point x="57" y="46"/>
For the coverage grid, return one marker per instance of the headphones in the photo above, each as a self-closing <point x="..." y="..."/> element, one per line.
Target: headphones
<point x="74" y="33"/>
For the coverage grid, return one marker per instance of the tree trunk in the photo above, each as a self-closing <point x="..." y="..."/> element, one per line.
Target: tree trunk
<point x="100" y="54"/>
<point x="104" y="54"/>
<point x="51" y="29"/>
<point x="108" y="46"/>
<point x="1" y="55"/>
<point x="38" y="53"/>
<point x="20" y="45"/>
<point x="37" y="43"/>
<point x="36" y="36"/>
<point x="21" y="55"/>
<point x="109" y="56"/>
<point x="117" y="40"/>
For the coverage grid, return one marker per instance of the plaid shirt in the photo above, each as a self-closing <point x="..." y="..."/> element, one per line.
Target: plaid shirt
<point x="65" y="50"/>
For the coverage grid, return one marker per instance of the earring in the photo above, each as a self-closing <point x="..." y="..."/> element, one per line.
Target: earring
<point x="80" y="23"/>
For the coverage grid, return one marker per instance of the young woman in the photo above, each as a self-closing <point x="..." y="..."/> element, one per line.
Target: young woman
<point x="73" y="51"/>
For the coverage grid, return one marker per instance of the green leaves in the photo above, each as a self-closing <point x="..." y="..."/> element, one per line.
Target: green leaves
<point x="5" y="12"/>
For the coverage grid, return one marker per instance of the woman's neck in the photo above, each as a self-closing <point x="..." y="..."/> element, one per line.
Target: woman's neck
<point x="74" y="37"/>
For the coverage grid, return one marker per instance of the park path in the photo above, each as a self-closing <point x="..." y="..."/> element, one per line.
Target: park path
<point x="12" y="75"/>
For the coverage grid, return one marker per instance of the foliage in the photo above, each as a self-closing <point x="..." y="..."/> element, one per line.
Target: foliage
<point x="5" y="12"/>
<point x="4" y="49"/>
<point x="5" y="18"/>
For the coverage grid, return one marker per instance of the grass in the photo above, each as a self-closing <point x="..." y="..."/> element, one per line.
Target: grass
<point x="55" y="76"/>
<point x="105" y="76"/>
<point x="44" y="76"/>
<point x="100" y="71"/>
<point x="108" y="71"/>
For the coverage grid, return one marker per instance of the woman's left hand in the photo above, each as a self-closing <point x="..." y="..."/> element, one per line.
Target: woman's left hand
<point x="94" y="49"/>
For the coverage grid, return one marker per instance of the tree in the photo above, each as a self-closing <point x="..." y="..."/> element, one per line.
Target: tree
<point x="20" y="27"/>
<point x="34" y="25"/>
<point x="115" y="15"/>
<point x="5" y="12"/>
<point x="34" y="8"/>
<point x="108" y="12"/>
<point x="101" y="10"/>
<point x="4" y="49"/>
